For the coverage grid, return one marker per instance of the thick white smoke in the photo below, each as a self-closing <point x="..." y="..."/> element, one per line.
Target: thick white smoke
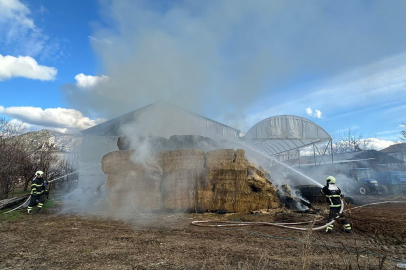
<point x="222" y="58"/>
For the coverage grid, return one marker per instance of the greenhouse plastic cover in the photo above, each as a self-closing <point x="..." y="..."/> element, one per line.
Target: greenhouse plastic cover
<point x="282" y="133"/>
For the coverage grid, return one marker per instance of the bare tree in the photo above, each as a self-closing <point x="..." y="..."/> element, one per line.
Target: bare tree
<point x="403" y="133"/>
<point x="18" y="161"/>
<point x="39" y="159"/>
<point x="65" y="166"/>
<point x="12" y="158"/>
<point x="349" y="141"/>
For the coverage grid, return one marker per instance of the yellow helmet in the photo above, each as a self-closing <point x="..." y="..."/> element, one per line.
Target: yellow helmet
<point x="38" y="173"/>
<point x="331" y="180"/>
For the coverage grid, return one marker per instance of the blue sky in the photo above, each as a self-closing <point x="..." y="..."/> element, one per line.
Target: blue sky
<point x="68" y="65"/>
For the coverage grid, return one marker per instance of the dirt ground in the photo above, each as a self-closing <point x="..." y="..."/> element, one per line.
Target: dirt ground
<point x="168" y="241"/>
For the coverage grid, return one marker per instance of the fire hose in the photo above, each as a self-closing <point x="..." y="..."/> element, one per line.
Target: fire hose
<point x="206" y="223"/>
<point x="282" y="225"/>
<point x="29" y="197"/>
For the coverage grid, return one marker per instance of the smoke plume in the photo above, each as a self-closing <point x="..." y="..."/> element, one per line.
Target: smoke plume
<point x="220" y="59"/>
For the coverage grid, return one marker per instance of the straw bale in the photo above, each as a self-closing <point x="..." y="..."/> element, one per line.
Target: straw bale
<point x="123" y="143"/>
<point x="266" y="188"/>
<point x="220" y="158"/>
<point x="240" y="157"/>
<point x="183" y="159"/>
<point x="142" y="187"/>
<point x="252" y="201"/>
<point x="181" y="200"/>
<point x="183" y="169"/>
<point x="117" y="161"/>
<point x="110" y="181"/>
<point x="252" y="169"/>
<point x="178" y="188"/>
<point x="204" y="200"/>
<point x="188" y="180"/>
<point x="184" y="179"/>
<point x="223" y="201"/>
<point x="121" y="161"/>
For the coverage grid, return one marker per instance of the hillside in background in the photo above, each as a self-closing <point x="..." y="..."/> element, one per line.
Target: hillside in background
<point x="61" y="142"/>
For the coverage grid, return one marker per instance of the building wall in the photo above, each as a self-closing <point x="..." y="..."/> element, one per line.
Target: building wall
<point x="92" y="150"/>
<point x="396" y="166"/>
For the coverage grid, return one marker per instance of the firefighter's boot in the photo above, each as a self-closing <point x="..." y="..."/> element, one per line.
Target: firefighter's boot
<point x="39" y="208"/>
<point x="329" y="229"/>
<point x="347" y="228"/>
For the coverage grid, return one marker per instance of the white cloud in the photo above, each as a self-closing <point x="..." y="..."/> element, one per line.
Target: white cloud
<point x="60" y="119"/>
<point x="89" y="81"/>
<point x="21" y="36"/>
<point x="316" y="113"/>
<point x="24" y="66"/>
<point x="14" y="10"/>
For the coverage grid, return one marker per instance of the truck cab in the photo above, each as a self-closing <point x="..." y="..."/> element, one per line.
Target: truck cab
<point x="364" y="183"/>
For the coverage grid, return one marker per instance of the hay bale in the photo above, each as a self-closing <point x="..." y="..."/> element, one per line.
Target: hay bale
<point x="140" y="189"/>
<point x="227" y="170"/>
<point x="253" y="170"/>
<point x="240" y="157"/>
<point x="122" y="161"/>
<point x="117" y="161"/>
<point x="188" y="180"/>
<point x="183" y="159"/>
<point x="220" y="158"/>
<point x="137" y="184"/>
<point x="183" y="168"/>
<point x="252" y="201"/>
<point x="261" y="183"/>
<point x="123" y="143"/>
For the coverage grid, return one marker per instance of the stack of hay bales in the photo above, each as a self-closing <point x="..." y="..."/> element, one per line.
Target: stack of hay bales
<point x="227" y="171"/>
<point x="182" y="170"/>
<point x="133" y="183"/>
<point x="189" y="180"/>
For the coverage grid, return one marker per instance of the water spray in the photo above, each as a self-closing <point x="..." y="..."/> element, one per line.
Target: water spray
<point x="280" y="162"/>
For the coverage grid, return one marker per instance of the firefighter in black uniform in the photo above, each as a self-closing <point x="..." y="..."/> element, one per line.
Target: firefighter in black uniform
<point x="334" y="195"/>
<point x="38" y="189"/>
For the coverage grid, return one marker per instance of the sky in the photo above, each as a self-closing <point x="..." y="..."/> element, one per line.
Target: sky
<point x="69" y="65"/>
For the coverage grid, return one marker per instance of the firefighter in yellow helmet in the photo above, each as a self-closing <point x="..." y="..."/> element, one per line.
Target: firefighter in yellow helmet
<point x="38" y="189"/>
<point x="334" y="195"/>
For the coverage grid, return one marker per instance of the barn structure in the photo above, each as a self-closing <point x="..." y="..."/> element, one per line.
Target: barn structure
<point x="270" y="137"/>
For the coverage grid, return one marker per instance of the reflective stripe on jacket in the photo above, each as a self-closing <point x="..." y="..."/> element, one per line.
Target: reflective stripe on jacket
<point x="37" y="186"/>
<point x="333" y="195"/>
